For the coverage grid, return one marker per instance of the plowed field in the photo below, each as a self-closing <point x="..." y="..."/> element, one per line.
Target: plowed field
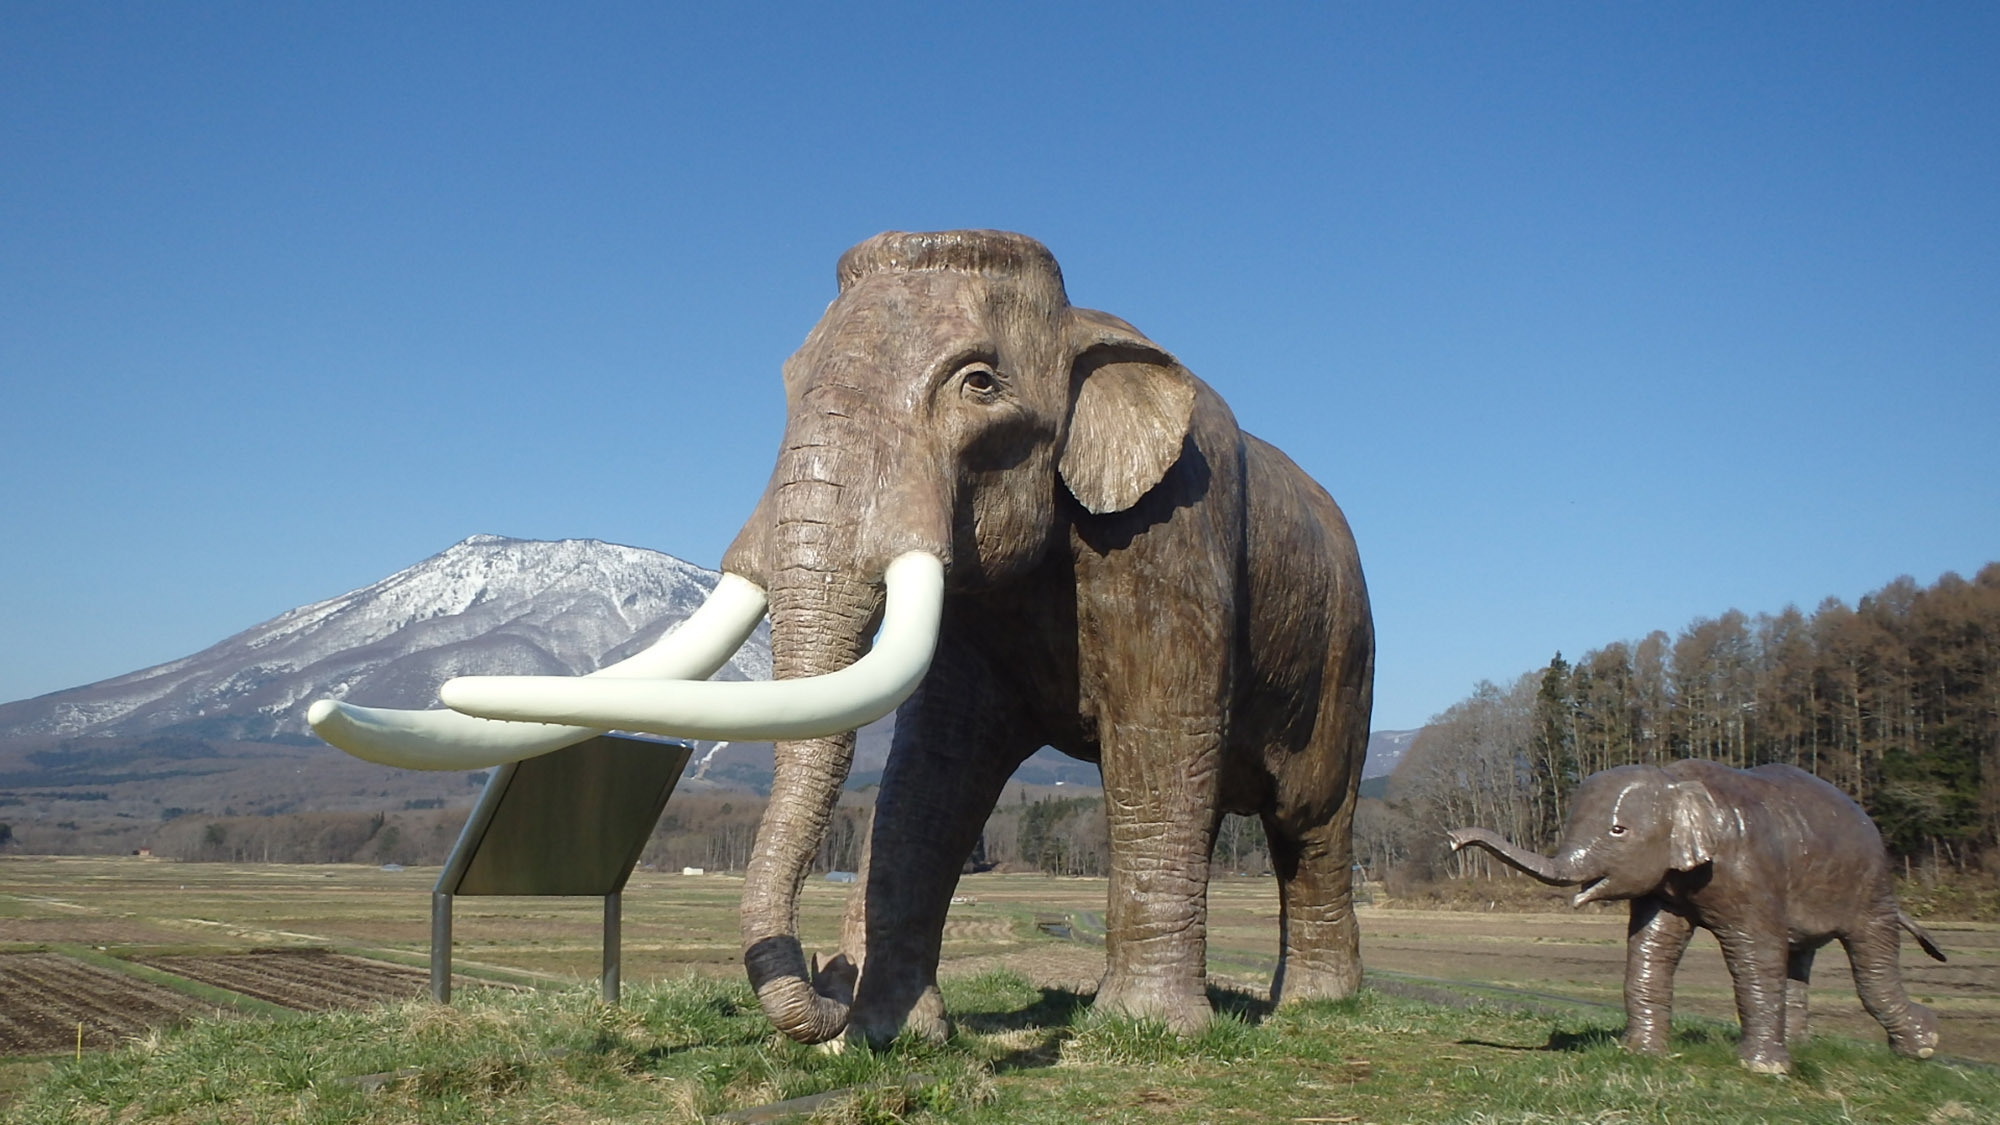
<point x="309" y="980"/>
<point x="45" y="996"/>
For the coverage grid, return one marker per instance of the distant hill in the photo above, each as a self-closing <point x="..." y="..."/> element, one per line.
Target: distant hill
<point x="1385" y="749"/>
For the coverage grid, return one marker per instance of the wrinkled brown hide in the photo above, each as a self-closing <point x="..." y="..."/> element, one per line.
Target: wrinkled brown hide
<point x="1130" y="578"/>
<point x="1772" y="860"/>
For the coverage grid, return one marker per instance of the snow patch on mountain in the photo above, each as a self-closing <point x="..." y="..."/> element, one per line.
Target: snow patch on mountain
<point x="1385" y="749"/>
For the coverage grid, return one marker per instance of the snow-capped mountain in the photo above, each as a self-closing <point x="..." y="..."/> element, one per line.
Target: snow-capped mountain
<point x="486" y="606"/>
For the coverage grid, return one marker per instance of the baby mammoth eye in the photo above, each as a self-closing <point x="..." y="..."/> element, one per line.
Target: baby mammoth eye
<point x="1617" y="830"/>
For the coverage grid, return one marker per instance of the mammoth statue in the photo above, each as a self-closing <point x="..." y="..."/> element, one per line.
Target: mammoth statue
<point x="1065" y="540"/>
<point x="1772" y="860"/>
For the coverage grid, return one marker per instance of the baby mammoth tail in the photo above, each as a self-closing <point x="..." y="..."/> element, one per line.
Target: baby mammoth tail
<point x="1923" y="937"/>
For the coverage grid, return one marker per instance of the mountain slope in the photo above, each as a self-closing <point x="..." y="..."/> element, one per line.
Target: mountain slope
<point x="488" y="605"/>
<point x="1385" y="749"/>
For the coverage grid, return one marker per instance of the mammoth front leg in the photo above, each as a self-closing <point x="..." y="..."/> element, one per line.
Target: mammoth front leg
<point x="1160" y="798"/>
<point x="1655" y="939"/>
<point x="956" y="745"/>
<point x="1156" y="647"/>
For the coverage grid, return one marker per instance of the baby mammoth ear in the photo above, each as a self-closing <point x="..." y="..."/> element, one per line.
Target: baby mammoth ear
<point x="1696" y="825"/>
<point x="1130" y="404"/>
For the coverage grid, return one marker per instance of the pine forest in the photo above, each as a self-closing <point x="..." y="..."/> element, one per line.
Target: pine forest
<point x="1896" y="700"/>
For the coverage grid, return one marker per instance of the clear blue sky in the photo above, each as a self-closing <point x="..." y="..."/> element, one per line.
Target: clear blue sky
<point x="1595" y="318"/>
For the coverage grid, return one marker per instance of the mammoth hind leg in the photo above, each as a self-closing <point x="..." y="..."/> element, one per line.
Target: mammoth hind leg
<point x="1319" y="942"/>
<point x="1798" y="974"/>
<point x="1873" y="950"/>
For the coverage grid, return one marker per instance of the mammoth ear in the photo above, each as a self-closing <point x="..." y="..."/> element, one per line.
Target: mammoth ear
<point x="1696" y="825"/>
<point x="1130" y="404"/>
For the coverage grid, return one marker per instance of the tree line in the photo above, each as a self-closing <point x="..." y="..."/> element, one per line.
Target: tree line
<point x="1895" y="700"/>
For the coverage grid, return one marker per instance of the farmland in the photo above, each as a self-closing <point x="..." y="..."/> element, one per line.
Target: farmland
<point x="115" y="945"/>
<point x="48" y="996"/>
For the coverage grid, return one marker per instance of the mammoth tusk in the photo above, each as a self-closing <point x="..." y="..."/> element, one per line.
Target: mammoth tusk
<point x="698" y="647"/>
<point x="434" y="740"/>
<point x="447" y="740"/>
<point x="765" y="710"/>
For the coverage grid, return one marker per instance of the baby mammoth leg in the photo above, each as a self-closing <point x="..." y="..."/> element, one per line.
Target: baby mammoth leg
<point x="1798" y="974"/>
<point x="1756" y="957"/>
<point x="1655" y="939"/>
<point x="1873" y="950"/>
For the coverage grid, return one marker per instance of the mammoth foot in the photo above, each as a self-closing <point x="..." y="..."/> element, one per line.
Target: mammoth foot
<point x="1325" y="978"/>
<point x="1183" y="1007"/>
<point x="878" y="1023"/>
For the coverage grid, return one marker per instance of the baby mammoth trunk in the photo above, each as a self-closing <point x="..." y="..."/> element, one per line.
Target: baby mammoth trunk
<point x="1555" y="872"/>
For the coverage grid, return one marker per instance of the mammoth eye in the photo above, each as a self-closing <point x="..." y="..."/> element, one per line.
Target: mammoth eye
<point x="980" y="381"/>
<point x="1617" y="830"/>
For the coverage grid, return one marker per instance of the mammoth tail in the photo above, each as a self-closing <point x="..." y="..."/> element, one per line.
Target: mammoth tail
<point x="1923" y="936"/>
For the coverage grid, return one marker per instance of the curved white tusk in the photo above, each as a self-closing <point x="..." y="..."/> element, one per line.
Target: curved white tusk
<point x="447" y="740"/>
<point x="698" y="647"/>
<point x="434" y="740"/>
<point x="782" y="709"/>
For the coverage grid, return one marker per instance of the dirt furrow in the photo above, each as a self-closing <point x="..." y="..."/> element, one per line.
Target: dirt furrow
<point x="306" y="980"/>
<point x="45" y="996"/>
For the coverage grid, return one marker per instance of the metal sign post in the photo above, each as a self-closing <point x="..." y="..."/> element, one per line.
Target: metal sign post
<point x="571" y="822"/>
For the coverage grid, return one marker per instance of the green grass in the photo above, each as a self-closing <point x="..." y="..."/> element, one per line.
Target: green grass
<point x="682" y="1050"/>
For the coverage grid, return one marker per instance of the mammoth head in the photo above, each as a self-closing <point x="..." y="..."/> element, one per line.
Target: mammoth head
<point x="948" y="400"/>
<point x="1631" y="826"/>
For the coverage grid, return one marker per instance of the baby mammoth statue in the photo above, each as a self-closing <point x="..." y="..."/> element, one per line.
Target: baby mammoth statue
<point x="1773" y="861"/>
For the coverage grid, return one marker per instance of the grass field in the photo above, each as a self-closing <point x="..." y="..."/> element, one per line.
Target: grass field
<point x="688" y="1041"/>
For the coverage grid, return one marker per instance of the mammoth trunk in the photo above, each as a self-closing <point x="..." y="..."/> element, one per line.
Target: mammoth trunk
<point x="819" y="624"/>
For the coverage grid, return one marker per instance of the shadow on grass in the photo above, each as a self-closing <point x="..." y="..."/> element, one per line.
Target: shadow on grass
<point x="1048" y="1022"/>
<point x="1591" y="1039"/>
<point x="1055" y="1008"/>
<point x="1250" y="1007"/>
<point x="1559" y="1040"/>
<point x="1057" y="1012"/>
<point x="1060" y="1007"/>
<point x="1052" y="1013"/>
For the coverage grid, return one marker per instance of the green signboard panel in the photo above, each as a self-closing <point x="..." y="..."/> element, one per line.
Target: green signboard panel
<point x="572" y="822"/>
